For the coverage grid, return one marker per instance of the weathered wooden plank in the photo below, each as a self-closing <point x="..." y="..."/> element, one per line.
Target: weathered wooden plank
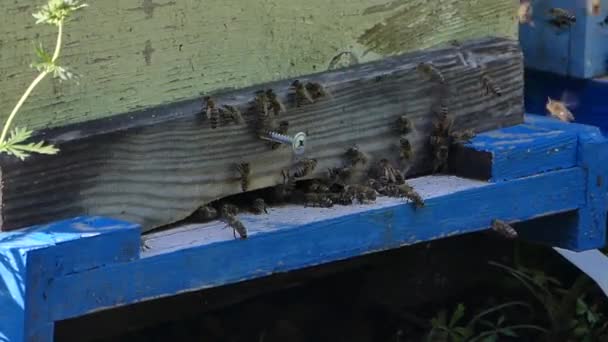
<point x="156" y="167"/>
<point x="142" y="53"/>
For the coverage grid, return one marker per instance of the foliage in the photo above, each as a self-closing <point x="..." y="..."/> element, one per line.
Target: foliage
<point x="55" y="13"/>
<point x="491" y="330"/>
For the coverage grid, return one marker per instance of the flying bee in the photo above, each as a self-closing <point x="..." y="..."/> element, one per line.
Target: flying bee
<point x="462" y="137"/>
<point x="302" y="95"/>
<point x="259" y="206"/>
<point x="559" y="110"/>
<point x="318" y="200"/>
<point x="593" y="7"/>
<point x="405" y="149"/>
<point x="431" y="71"/>
<point x="405" y="125"/>
<point x="274" y="102"/>
<point x="206" y="213"/>
<point x="244" y="171"/>
<point x="561" y="17"/>
<point x="489" y="86"/>
<point x="524" y="13"/>
<point x="356" y="156"/>
<point x="504" y="229"/>
<point x="232" y="113"/>
<point x="304" y="167"/>
<point x="316" y="90"/>
<point x="282" y="129"/>
<point x="339" y="175"/>
<point x="211" y="111"/>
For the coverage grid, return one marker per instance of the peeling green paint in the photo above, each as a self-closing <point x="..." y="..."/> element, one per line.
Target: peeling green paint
<point x="134" y="54"/>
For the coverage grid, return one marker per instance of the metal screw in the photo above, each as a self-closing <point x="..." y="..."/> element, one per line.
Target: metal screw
<point x="297" y="142"/>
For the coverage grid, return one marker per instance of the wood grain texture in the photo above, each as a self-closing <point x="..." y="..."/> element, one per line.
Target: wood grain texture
<point x="136" y="54"/>
<point x="157" y="166"/>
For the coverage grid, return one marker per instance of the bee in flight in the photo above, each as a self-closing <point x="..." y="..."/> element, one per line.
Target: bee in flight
<point x="561" y="18"/>
<point x="559" y="110"/>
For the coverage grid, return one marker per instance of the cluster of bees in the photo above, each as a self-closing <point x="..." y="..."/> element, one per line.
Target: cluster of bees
<point x="337" y="187"/>
<point x="443" y="135"/>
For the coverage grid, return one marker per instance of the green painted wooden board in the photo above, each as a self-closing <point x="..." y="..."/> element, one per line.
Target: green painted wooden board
<point x="134" y="54"/>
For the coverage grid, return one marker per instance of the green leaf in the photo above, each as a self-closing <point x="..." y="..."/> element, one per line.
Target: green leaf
<point x="457" y="315"/>
<point x="509" y="332"/>
<point x="581" y="307"/>
<point x="15" y="145"/>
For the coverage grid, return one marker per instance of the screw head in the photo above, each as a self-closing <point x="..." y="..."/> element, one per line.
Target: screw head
<point x="299" y="143"/>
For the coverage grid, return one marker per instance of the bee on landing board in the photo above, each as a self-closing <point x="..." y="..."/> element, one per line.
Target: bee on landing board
<point x="206" y="213"/>
<point x="316" y="90"/>
<point x="244" y="171"/>
<point x="318" y="200"/>
<point x="339" y="175"/>
<point x="259" y="206"/>
<point x="386" y="173"/>
<point x="229" y="213"/>
<point x="559" y="110"/>
<point x="504" y="229"/>
<point x="212" y="112"/>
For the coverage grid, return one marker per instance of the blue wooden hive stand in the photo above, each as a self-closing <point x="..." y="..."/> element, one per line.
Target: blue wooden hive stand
<point x="537" y="169"/>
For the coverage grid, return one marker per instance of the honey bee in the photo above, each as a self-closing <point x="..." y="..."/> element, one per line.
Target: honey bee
<point x="405" y="149"/>
<point x="593" y="8"/>
<point x="259" y="206"/>
<point x="561" y="17"/>
<point x="206" y="213"/>
<point x="232" y="113"/>
<point x="462" y="137"/>
<point x="524" y="13"/>
<point x="318" y="200"/>
<point x="339" y="175"/>
<point x="244" y="171"/>
<point x="559" y="110"/>
<point x="318" y="187"/>
<point x="211" y="112"/>
<point x="342" y="198"/>
<point x="237" y="226"/>
<point x="504" y="229"/>
<point x="274" y="102"/>
<point x="283" y="128"/>
<point x="356" y="156"/>
<point x="431" y="71"/>
<point x="229" y="213"/>
<point x="489" y="86"/>
<point x="412" y="195"/>
<point x="302" y="95"/>
<point x="442" y="125"/>
<point x="440" y="160"/>
<point x="304" y="167"/>
<point x="405" y="125"/>
<point x="385" y="173"/>
<point x="316" y="90"/>
<point x="362" y="193"/>
<point x="283" y="191"/>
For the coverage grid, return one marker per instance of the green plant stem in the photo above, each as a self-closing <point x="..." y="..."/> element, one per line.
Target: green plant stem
<point x="33" y="85"/>
<point x="513" y="327"/>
